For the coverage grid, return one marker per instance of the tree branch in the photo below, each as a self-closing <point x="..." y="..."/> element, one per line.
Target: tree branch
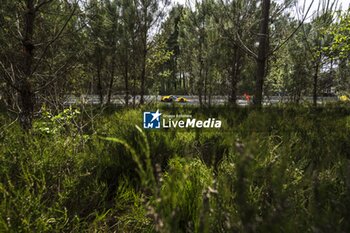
<point x="57" y="74"/>
<point x="42" y="3"/>
<point x="245" y="48"/>
<point x="7" y="77"/>
<point x="293" y="33"/>
<point x="54" y="39"/>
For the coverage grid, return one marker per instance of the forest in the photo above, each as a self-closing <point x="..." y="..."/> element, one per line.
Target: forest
<point x="254" y="97"/>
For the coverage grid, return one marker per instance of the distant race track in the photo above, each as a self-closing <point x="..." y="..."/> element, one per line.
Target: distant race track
<point x="192" y="100"/>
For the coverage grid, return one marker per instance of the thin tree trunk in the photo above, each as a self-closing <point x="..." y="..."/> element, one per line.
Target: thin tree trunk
<point x="143" y="77"/>
<point x="184" y="82"/>
<point x="200" y="82"/>
<point x="200" y="86"/>
<point x="262" y="53"/>
<point x="315" y="84"/>
<point x="144" y="54"/>
<point x="235" y="69"/>
<point x="111" y="81"/>
<point x="205" y="85"/>
<point x="233" y="94"/>
<point x="210" y="91"/>
<point x="126" y="81"/>
<point x="99" y="82"/>
<point x="26" y="95"/>
<point x="134" y="92"/>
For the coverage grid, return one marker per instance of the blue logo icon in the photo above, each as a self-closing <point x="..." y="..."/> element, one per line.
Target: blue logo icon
<point x="151" y="120"/>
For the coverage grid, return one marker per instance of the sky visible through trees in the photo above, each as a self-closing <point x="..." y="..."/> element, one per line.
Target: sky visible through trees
<point x="300" y="3"/>
<point x="142" y="48"/>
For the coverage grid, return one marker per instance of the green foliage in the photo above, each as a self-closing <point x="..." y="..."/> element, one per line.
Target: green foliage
<point x="340" y="32"/>
<point x="53" y="124"/>
<point x="267" y="170"/>
<point x="180" y="199"/>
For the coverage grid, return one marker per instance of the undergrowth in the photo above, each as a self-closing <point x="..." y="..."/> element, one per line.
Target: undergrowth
<point x="268" y="170"/>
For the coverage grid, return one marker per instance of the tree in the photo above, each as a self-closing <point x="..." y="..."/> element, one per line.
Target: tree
<point x="128" y="47"/>
<point x="289" y="67"/>
<point x="340" y="31"/>
<point x="339" y="49"/>
<point x="316" y="39"/>
<point x="198" y="37"/>
<point x="113" y="40"/>
<point x="149" y="13"/>
<point x="171" y="33"/>
<point x="263" y="49"/>
<point x="235" y="19"/>
<point x="22" y="70"/>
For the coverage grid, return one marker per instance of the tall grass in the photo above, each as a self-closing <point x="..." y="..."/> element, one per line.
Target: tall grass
<point x="268" y="170"/>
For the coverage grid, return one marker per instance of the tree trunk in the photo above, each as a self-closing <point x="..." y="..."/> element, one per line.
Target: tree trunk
<point x="315" y="84"/>
<point x="262" y="53"/>
<point x="26" y="95"/>
<point x="205" y="85"/>
<point x="233" y="94"/>
<point x="235" y="70"/>
<point x="99" y="82"/>
<point x="26" y="101"/>
<point x="110" y="86"/>
<point x="126" y="82"/>
<point x="210" y="92"/>
<point x="134" y="91"/>
<point x="184" y="82"/>
<point x="144" y="54"/>
<point x="143" y="77"/>
<point x="200" y="81"/>
<point x="200" y="86"/>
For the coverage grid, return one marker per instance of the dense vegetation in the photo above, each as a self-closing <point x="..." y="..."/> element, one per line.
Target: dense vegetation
<point x="68" y="166"/>
<point x="269" y="170"/>
<point x="52" y="48"/>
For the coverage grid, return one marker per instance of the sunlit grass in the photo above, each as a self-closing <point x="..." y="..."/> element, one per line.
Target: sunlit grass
<point x="268" y="170"/>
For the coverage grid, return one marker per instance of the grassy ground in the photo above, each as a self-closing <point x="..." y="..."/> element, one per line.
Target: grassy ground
<point x="270" y="170"/>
